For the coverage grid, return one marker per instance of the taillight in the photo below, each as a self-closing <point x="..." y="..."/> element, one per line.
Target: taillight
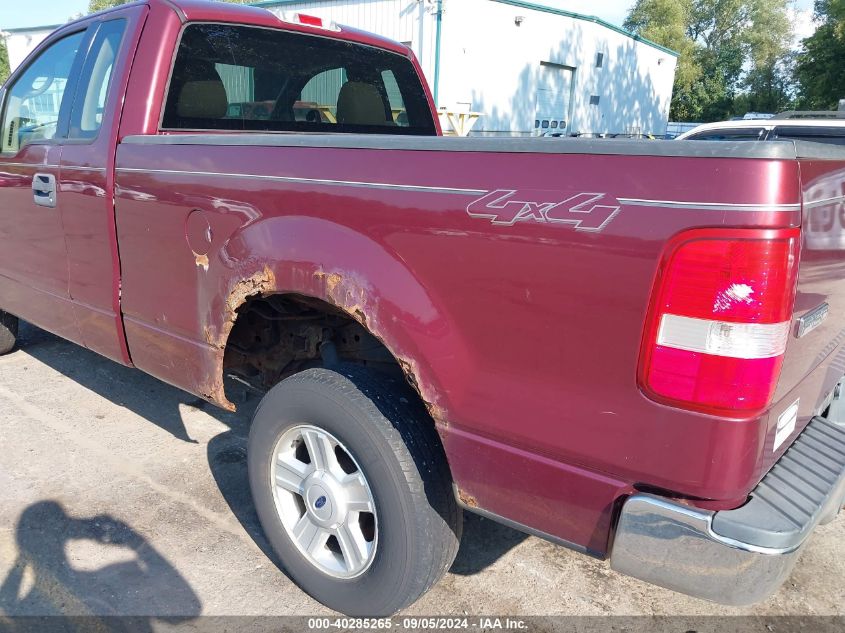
<point x="720" y="319"/>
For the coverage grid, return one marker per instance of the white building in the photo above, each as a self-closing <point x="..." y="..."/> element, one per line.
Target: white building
<point x="526" y="68"/>
<point x="20" y="42"/>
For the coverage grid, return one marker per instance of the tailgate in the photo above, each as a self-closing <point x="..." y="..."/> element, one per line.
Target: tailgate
<point x="816" y="345"/>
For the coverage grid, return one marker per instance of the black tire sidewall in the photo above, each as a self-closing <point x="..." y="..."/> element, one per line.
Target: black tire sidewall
<point x="371" y="445"/>
<point x="8" y="332"/>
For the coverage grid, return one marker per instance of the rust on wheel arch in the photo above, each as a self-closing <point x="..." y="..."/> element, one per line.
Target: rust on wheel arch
<point x="353" y="296"/>
<point x="467" y="499"/>
<point x="259" y="283"/>
<point x="346" y="292"/>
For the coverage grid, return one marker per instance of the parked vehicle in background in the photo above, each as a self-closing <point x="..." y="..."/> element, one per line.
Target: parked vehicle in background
<point x="674" y="129"/>
<point x="812" y="114"/>
<point x="818" y="127"/>
<point x="824" y="224"/>
<point x="616" y="345"/>
<point x="753" y="116"/>
<point x="619" y="135"/>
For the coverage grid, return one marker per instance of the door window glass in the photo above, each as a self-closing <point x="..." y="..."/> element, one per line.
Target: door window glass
<point x="87" y="116"/>
<point x="34" y="100"/>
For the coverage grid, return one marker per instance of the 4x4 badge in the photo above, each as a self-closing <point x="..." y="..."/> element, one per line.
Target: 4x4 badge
<point x="506" y="207"/>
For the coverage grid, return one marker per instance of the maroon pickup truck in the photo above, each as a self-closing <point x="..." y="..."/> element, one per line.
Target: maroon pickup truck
<point x="620" y="346"/>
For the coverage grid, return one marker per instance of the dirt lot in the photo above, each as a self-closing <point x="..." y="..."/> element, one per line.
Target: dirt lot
<point x="122" y="495"/>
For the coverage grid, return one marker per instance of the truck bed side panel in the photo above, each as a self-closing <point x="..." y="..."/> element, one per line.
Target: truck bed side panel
<point x="522" y="332"/>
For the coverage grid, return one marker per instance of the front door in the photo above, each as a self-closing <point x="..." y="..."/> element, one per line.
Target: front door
<point x="85" y="181"/>
<point x="33" y="257"/>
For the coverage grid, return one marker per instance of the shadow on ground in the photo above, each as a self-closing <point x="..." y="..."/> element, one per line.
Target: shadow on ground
<point x="45" y="581"/>
<point x="483" y="543"/>
<point x="45" y="528"/>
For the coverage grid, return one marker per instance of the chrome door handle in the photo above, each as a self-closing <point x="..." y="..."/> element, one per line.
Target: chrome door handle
<point x="44" y="190"/>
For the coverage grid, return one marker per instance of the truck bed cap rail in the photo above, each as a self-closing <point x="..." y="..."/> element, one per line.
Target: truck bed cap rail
<point x="776" y="150"/>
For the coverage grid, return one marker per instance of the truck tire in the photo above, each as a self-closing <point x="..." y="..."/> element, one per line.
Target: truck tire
<point x="8" y="332"/>
<point x="353" y="491"/>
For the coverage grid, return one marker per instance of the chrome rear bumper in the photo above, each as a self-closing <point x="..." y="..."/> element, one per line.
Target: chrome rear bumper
<point x="741" y="556"/>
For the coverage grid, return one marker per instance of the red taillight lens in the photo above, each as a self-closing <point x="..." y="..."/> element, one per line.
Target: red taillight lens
<point x="720" y="319"/>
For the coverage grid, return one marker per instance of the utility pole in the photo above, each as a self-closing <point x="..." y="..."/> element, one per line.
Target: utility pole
<point x="438" y="16"/>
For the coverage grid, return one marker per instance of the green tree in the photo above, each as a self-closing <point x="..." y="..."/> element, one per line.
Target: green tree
<point x="769" y="84"/>
<point x="99" y="5"/>
<point x="768" y="88"/>
<point x="717" y="28"/>
<point x="4" y="61"/>
<point x="665" y="22"/>
<point x="820" y="68"/>
<point x="732" y="52"/>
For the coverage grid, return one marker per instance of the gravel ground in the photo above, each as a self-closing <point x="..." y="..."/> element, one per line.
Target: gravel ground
<point x="122" y="495"/>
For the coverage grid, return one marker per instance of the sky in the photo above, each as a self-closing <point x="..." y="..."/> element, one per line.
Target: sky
<point x="23" y="13"/>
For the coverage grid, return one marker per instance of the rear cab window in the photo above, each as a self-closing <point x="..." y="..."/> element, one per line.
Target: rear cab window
<point x="233" y="77"/>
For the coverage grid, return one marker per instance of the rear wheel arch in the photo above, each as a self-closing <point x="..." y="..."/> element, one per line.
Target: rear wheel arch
<point x="275" y="335"/>
<point x="346" y="272"/>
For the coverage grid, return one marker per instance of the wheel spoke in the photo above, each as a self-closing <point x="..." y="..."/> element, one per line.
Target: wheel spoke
<point x="352" y="545"/>
<point x="320" y="450"/>
<point x="290" y="473"/>
<point x="357" y="496"/>
<point x="309" y="535"/>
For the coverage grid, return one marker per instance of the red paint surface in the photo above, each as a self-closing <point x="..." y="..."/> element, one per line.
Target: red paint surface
<point x="527" y="336"/>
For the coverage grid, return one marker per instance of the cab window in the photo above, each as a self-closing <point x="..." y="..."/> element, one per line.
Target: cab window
<point x="34" y="101"/>
<point x="229" y="77"/>
<point x="87" y="116"/>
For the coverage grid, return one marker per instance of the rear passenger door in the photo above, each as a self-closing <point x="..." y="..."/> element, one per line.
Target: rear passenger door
<point x="86" y="181"/>
<point x="35" y="112"/>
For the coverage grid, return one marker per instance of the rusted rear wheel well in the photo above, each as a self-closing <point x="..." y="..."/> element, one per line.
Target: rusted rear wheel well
<point x="277" y="335"/>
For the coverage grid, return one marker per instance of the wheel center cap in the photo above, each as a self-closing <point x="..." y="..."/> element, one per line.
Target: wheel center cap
<point x="320" y="503"/>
